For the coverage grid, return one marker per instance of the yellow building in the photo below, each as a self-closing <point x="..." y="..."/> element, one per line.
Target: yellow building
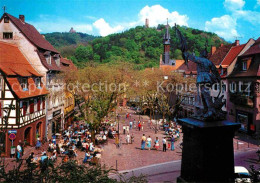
<point x="68" y="108"/>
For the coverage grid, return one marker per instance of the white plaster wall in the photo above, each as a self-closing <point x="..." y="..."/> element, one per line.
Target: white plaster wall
<point x="26" y="47"/>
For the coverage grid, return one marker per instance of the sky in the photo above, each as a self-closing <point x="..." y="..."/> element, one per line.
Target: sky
<point x="230" y="19"/>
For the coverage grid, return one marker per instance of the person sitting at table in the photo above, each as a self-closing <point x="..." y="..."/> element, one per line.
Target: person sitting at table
<point x="104" y="137"/>
<point x="65" y="159"/>
<point x="44" y="157"/>
<point x="79" y="144"/>
<point x="54" y="156"/>
<point x="71" y="153"/>
<point x="87" y="156"/>
<point x="30" y="159"/>
<point x="58" y="149"/>
<point x="91" y="147"/>
<point x="51" y="147"/>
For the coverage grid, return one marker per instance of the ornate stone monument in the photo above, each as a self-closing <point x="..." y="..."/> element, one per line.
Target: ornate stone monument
<point x="207" y="154"/>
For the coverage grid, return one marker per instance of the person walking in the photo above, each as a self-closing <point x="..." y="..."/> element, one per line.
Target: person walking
<point x="132" y="138"/>
<point x="149" y="141"/>
<point x="172" y="143"/>
<point x="19" y="152"/>
<point x="156" y="143"/>
<point x="164" y="144"/>
<point x="139" y="126"/>
<point x="127" y="138"/>
<point x="143" y="140"/>
<point x="131" y="125"/>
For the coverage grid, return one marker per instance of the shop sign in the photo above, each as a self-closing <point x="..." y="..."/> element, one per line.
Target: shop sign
<point x="12" y="131"/>
<point x="50" y="117"/>
<point x="56" y="113"/>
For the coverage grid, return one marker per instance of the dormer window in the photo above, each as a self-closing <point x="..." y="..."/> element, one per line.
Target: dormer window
<point x="24" y="84"/>
<point x="57" y="60"/>
<point x="38" y="82"/>
<point x="6" y="19"/>
<point x="47" y="56"/>
<point x="244" y="66"/>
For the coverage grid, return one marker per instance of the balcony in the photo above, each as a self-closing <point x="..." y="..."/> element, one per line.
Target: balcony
<point x="241" y="99"/>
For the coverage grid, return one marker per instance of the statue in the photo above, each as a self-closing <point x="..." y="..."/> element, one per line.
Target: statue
<point x="207" y="76"/>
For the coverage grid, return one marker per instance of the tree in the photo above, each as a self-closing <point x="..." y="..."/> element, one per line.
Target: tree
<point x="99" y="87"/>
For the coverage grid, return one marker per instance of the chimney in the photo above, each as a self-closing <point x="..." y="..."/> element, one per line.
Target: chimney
<point x="213" y="49"/>
<point x="22" y="18"/>
<point x="237" y="43"/>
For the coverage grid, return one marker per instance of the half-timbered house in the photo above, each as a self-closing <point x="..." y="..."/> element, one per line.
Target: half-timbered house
<point x="22" y="99"/>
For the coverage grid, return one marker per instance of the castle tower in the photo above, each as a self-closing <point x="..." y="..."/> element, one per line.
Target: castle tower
<point x="147" y="23"/>
<point x="166" y="43"/>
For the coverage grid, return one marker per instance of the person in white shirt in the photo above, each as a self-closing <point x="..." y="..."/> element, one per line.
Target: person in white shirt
<point x="19" y="152"/>
<point x="127" y="138"/>
<point x="164" y="144"/>
<point x="149" y="142"/>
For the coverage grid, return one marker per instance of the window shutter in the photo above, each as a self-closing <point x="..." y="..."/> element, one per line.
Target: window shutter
<point x="24" y="108"/>
<point x="39" y="105"/>
<point x="43" y="104"/>
<point x="31" y="107"/>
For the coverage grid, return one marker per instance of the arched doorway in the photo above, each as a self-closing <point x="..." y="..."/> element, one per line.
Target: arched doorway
<point x="39" y="131"/>
<point x="28" y="136"/>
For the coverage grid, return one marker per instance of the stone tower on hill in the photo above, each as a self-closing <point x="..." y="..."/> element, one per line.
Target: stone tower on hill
<point x="72" y="30"/>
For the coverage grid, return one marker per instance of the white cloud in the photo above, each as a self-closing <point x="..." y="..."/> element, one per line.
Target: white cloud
<point x="158" y="15"/>
<point x="233" y="5"/>
<point x="224" y="26"/>
<point x="104" y="28"/>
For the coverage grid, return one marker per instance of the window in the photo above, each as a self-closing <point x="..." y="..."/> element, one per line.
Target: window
<point x="223" y="88"/>
<point x="1" y="109"/>
<point x="48" y="59"/>
<point x="7" y="35"/>
<point x="43" y="103"/>
<point x="57" y="60"/>
<point x="6" y="19"/>
<point x="24" y="84"/>
<point x="1" y="84"/>
<point x="38" y="82"/>
<point x="222" y="71"/>
<point x="244" y="66"/>
<point x="35" y="104"/>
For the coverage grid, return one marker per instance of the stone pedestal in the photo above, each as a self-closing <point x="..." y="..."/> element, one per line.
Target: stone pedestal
<point x="207" y="154"/>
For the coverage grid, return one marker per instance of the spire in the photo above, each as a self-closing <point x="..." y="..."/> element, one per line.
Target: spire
<point x="167" y="34"/>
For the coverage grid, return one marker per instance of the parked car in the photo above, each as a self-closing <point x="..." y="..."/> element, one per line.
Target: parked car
<point x="242" y="175"/>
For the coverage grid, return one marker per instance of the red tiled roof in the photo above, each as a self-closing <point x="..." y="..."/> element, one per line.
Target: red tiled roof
<point x="67" y="64"/>
<point x="53" y="66"/>
<point x="13" y="62"/>
<point x="220" y="54"/>
<point x="31" y="33"/>
<point x="254" y="49"/>
<point x="191" y="67"/>
<point x="32" y="91"/>
<point x="232" y="54"/>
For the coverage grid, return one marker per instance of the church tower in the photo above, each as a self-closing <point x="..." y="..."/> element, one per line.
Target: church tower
<point x="166" y="44"/>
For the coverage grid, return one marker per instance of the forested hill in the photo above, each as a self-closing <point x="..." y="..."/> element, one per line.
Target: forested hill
<point x="140" y="46"/>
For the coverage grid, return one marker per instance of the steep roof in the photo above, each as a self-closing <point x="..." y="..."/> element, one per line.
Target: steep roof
<point x="32" y="91"/>
<point x="220" y="54"/>
<point x="13" y="62"/>
<point x="31" y="33"/>
<point x="232" y="54"/>
<point x="254" y="49"/>
<point x="67" y="64"/>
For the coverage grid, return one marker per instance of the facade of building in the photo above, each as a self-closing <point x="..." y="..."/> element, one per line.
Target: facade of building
<point x="225" y="59"/>
<point x="22" y="99"/>
<point x="244" y="99"/>
<point x="45" y="59"/>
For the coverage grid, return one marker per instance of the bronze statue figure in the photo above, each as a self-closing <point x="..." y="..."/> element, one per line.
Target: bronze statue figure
<point x="207" y="76"/>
